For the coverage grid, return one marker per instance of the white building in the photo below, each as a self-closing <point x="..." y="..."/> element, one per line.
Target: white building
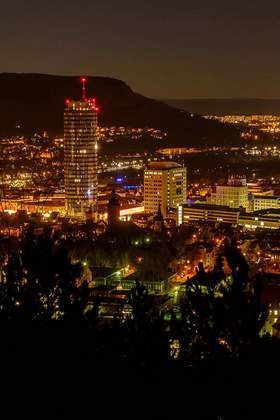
<point x="165" y="183"/>
<point x="234" y="194"/>
<point x="265" y="202"/>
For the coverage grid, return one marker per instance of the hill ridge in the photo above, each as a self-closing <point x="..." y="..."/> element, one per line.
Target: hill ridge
<point x="36" y="102"/>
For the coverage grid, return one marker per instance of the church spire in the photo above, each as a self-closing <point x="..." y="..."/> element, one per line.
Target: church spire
<point x="113" y="208"/>
<point x="159" y="216"/>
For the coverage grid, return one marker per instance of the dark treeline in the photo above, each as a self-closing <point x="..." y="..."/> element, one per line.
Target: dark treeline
<point x="205" y="360"/>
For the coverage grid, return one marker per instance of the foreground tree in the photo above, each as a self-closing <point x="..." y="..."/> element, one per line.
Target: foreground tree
<point x="40" y="284"/>
<point x="221" y="314"/>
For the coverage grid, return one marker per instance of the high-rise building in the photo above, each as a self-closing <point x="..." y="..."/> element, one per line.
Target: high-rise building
<point x="80" y="155"/>
<point x="165" y="183"/>
<point x="234" y="194"/>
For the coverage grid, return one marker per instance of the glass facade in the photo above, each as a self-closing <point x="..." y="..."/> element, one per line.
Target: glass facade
<point x="80" y="157"/>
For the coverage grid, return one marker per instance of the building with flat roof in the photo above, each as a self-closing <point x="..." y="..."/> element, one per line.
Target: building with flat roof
<point x="165" y="183"/>
<point x="266" y="219"/>
<point x="261" y="202"/>
<point x="234" y="194"/>
<point x="259" y="219"/>
<point x="208" y="213"/>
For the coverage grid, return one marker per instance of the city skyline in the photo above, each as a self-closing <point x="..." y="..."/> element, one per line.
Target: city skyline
<point x="140" y="238"/>
<point x="161" y="50"/>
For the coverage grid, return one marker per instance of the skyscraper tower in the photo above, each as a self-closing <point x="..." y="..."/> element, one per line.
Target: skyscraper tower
<point x="80" y="155"/>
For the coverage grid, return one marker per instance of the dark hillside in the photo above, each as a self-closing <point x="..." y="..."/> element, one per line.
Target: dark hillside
<point x="36" y="102"/>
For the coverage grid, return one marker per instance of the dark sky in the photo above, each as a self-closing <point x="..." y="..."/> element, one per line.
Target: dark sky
<point x="163" y="49"/>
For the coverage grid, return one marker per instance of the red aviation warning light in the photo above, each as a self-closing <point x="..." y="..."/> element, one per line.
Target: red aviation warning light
<point x="67" y="101"/>
<point x="84" y="81"/>
<point x="90" y="101"/>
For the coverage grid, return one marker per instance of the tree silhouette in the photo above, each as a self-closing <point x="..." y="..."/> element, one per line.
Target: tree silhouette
<point x="40" y="284"/>
<point x="221" y="314"/>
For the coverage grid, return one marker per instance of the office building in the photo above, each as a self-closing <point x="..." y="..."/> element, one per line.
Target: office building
<point x="165" y="184"/>
<point x="265" y="219"/>
<point x="261" y="202"/>
<point x="80" y="156"/>
<point x="234" y="194"/>
<point x="258" y="189"/>
<point x="208" y="213"/>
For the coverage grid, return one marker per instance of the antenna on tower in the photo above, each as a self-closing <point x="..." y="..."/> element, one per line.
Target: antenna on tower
<point x="84" y="81"/>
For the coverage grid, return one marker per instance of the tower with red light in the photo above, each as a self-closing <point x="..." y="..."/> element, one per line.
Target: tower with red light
<point x="80" y="155"/>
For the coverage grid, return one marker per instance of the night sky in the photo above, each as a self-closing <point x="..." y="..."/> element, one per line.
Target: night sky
<point x="163" y="49"/>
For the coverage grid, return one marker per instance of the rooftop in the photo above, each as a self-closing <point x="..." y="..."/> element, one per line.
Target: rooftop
<point x="164" y="165"/>
<point x="81" y="104"/>
<point x="267" y="197"/>
<point x="213" y="207"/>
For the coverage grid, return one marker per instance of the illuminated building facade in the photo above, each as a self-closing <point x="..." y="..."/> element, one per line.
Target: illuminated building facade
<point x="208" y="213"/>
<point x="265" y="202"/>
<point x="165" y="183"/>
<point x="234" y="194"/>
<point x="80" y="156"/>
<point x="189" y="213"/>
